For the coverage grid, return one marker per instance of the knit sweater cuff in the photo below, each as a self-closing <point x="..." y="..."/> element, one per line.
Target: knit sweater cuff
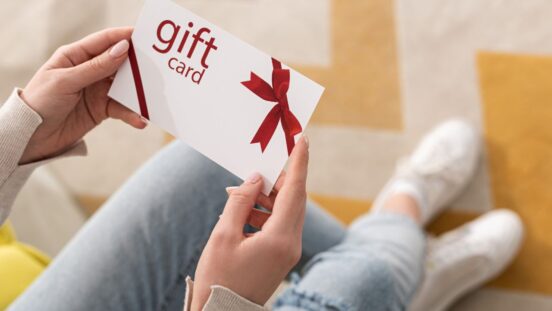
<point x="221" y="299"/>
<point x="18" y="122"/>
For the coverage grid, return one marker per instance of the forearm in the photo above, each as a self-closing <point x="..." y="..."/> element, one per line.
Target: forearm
<point x="18" y="122"/>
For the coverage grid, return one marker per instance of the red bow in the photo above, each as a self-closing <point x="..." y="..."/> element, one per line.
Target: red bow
<point x="280" y="112"/>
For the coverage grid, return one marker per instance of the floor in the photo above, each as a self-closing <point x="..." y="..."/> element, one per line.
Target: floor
<point x="392" y="69"/>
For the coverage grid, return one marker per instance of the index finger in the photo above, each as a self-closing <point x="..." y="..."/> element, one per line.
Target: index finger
<point x="95" y="44"/>
<point x="289" y="207"/>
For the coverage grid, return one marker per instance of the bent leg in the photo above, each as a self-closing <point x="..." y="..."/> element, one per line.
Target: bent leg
<point x="320" y="233"/>
<point x="377" y="267"/>
<point x="135" y="252"/>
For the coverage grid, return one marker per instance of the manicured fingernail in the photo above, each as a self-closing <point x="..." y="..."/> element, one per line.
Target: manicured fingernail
<point x="119" y="49"/>
<point x="230" y="189"/>
<point x="253" y="179"/>
<point x="306" y="139"/>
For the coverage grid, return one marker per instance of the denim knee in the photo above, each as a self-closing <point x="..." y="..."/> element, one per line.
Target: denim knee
<point x="345" y="280"/>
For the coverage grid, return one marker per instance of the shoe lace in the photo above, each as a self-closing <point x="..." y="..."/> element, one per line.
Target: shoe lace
<point x="448" y="249"/>
<point x="452" y="248"/>
<point x="440" y="167"/>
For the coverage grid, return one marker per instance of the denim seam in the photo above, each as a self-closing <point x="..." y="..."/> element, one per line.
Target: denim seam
<point x="300" y="296"/>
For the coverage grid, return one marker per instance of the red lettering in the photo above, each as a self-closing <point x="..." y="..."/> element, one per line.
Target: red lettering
<point x="168" y="34"/>
<point x="168" y="42"/>
<point x="170" y="62"/>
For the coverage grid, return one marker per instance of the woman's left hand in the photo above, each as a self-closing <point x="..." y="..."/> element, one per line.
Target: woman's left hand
<point x="70" y="90"/>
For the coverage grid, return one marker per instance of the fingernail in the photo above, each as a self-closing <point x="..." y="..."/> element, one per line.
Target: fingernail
<point x="119" y="49"/>
<point x="253" y="179"/>
<point x="230" y="189"/>
<point x="146" y="121"/>
<point x="306" y="139"/>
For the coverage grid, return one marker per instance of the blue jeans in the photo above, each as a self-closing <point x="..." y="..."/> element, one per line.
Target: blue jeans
<point x="136" y="251"/>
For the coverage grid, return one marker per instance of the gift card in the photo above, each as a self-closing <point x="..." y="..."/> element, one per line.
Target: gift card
<point x="233" y="103"/>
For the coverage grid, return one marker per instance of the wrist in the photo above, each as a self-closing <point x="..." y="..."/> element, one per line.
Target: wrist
<point x="18" y="122"/>
<point x="199" y="298"/>
<point x="27" y="99"/>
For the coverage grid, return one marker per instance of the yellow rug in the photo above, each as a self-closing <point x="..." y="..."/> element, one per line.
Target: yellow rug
<point x="517" y="97"/>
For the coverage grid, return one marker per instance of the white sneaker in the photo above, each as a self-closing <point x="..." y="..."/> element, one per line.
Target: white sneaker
<point x="438" y="170"/>
<point x="465" y="258"/>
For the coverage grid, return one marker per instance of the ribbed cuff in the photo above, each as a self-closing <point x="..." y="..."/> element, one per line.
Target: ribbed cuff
<point x="15" y="181"/>
<point x="221" y="299"/>
<point x="18" y="122"/>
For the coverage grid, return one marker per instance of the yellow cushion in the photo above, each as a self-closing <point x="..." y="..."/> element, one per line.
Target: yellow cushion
<point x="20" y="264"/>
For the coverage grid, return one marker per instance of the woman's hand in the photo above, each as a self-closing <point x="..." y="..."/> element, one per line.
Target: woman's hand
<point x="70" y="92"/>
<point x="254" y="265"/>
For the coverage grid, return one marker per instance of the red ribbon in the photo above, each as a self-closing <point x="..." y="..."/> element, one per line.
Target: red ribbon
<point x="280" y="112"/>
<point x="138" y="81"/>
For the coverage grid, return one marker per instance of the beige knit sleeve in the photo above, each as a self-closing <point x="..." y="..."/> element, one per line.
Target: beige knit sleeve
<point x="221" y="299"/>
<point x="18" y="122"/>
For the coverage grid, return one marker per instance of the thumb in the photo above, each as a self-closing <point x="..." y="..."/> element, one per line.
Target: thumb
<point x="99" y="67"/>
<point x="289" y="207"/>
<point x="241" y="202"/>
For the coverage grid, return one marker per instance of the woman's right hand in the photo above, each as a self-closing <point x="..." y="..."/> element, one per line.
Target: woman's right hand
<point x="254" y="265"/>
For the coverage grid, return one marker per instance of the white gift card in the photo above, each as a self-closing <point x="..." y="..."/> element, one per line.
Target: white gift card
<point x="231" y="102"/>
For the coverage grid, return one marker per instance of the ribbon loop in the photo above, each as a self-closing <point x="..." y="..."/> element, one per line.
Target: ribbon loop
<point x="280" y="112"/>
<point x="260" y="88"/>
